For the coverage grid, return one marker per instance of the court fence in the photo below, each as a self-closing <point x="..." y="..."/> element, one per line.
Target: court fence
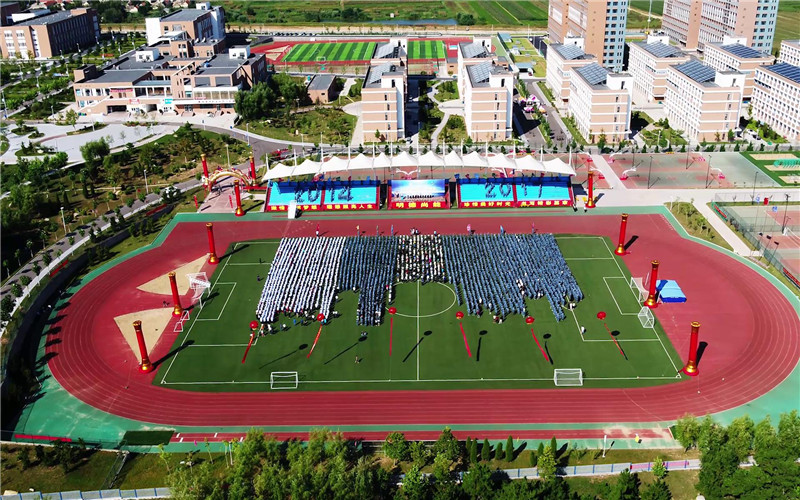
<point x="763" y="231"/>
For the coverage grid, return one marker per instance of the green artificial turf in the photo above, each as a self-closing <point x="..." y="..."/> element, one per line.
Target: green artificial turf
<point x="331" y="51"/>
<point x="426" y="49"/>
<point x="428" y="350"/>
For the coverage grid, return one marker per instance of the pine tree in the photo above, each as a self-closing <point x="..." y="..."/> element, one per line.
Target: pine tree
<point x="509" y="449"/>
<point x="498" y="453"/>
<point x="554" y="446"/>
<point x="486" y="451"/>
<point x="473" y="451"/>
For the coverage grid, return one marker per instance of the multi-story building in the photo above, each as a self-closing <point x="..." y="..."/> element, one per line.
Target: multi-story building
<point x="383" y="97"/>
<point x="486" y="87"/>
<point x="732" y="55"/>
<point x="489" y="89"/>
<point x="601" y="23"/>
<point x="150" y="81"/>
<point x="702" y="102"/>
<point x="50" y="35"/>
<point x="694" y="23"/>
<point x="776" y="96"/>
<point x="320" y="88"/>
<point x="562" y="60"/>
<point x="600" y="102"/>
<point x="790" y="52"/>
<point x="647" y="64"/>
<point x="202" y="22"/>
<point x="6" y="10"/>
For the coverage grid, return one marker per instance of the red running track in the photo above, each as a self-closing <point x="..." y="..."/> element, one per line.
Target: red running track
<point x="750" y="327"/>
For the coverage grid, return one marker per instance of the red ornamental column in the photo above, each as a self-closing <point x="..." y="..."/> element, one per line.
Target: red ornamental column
<point x="212" y="253"/>
<point x="177" y="310"/>
<point x="205" y="165"/>
<point x="651" y="301"/>
<point x="622" y="226"/>
<point x="590" y="200"/>
<point x="252" y="167"/>
<point x="145" y="366"/>
<point x="239" y="212"/>
<point x="691" y="365"/>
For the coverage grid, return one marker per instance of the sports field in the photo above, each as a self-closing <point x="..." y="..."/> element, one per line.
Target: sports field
<point x="426" y="49"/>
<point x="427" y="350"/>
<point x="328" y="51"/>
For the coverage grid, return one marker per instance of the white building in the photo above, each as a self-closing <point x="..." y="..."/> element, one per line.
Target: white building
<point x="562" y="60"/>
<point x="702" y="102"/>
<point x="776" y="99"/>
<point x="647" y="64"/>
<point x="790" y="52"/>
<point x="489" y="90"/>
<point x="600" y="102"/>
<point x="732" y="55"/>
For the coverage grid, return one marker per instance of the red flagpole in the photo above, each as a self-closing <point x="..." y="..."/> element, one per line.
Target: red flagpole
<point x="529" y="320"/>
<point x="252" y="336"/>
<point x="614" y="339"/>
<point x="459" y="316"/>
<point x="392" y="312"/>
<point x="320" y="318"/>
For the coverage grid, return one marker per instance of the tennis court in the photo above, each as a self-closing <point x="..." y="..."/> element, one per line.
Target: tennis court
<point x="427" y="348"/>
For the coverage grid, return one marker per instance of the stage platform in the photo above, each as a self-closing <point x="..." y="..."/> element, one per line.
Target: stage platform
<point x="515" y="192"/>
<point x="323" y="195"/>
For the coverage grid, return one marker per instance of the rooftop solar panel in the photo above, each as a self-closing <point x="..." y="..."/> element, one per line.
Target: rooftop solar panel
<point x="480" y="72"/>
<point x="473" y="50"/>
<point x="743" y="51"/>
<point x="376" y="72"/>
<point x="593" y="73"/>
<point x="697" y="71"/>
<point x="386" y="50"/>
<point x="785" y="70"/>
<point x="659" y="49"/>
<point x="569" y="52"/>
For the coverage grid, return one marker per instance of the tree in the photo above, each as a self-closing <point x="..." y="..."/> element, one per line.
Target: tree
<point x="731" y="135"/>
<point x="547" y="463"/>
<point x="554" y="446"/>
<point x="29" y="245"/>
<point x="740" y="435"/>
<point x="419" y="453"/>
<point x="657" y="491"/>
<point x="627" y="487"/>
<point x="477" y="482"/>
<point x="24" y="458"/>
<point x="415" y="486"/>
<point x="718" y="463"/>
<point x="447" y="445"/>
<point x="789" y="433"/>
<point x="764" y="435"/>
<point x="445" y="487"/>
<point x="509" y="449"/>
<point x="71" y="117"/>
<point x="688" y="430"/>
<point x="395" y="446"/>
<point x="601" y="141"/>
<point x="25" y="280"/>
<point x="473" y="450"/>
<point x="498" y="452"/>
<point x="659" y="470"/>
<point x="486" y="451"/>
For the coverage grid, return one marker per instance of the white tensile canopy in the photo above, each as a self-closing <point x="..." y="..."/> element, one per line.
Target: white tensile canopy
<point x="474" y="159"/>
<point x="453" y="159"/>
<point x="525" y="163"/>
<point x="431" y="159"/>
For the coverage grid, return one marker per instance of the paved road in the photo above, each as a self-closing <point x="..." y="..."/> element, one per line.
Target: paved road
<point x="559" y="132"/>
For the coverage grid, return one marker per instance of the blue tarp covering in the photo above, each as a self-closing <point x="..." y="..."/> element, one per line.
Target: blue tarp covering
<point x="669" y="291"/>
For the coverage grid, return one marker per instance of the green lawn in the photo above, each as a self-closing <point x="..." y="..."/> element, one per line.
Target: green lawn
<point x="335" y="125"/>
<point x="428" y="351"/>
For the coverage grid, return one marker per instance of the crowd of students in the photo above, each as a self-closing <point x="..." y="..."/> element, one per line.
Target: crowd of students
<point x="494" y="273"/>
<point x="497" y="272"/>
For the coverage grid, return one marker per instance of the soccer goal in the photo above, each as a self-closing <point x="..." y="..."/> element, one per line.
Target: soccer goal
<point x="321" y="59"/>
<point x="200" y="284"/>
<point x="283" y="380"/>
<point x="638" y="289"/>
<point x="646" y="317"/>
<point x="569" y="377"/>
<point x="179" y="324"/>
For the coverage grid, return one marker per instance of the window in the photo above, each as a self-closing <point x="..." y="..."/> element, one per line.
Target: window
<point x="385" y="97"/>
<point x="387" y="107"/>
<point x="386" y="117"/>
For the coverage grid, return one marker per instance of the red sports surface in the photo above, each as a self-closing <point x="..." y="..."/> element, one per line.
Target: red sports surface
<point x="750" y="327"/>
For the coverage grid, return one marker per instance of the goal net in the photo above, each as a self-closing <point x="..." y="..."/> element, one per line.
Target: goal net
<point x="646" y="317"/>
<point x="283" y="380"/>
<point x="199" y="284"/>
<point x="568" y="377"/>
<point x="638" y="289"/>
